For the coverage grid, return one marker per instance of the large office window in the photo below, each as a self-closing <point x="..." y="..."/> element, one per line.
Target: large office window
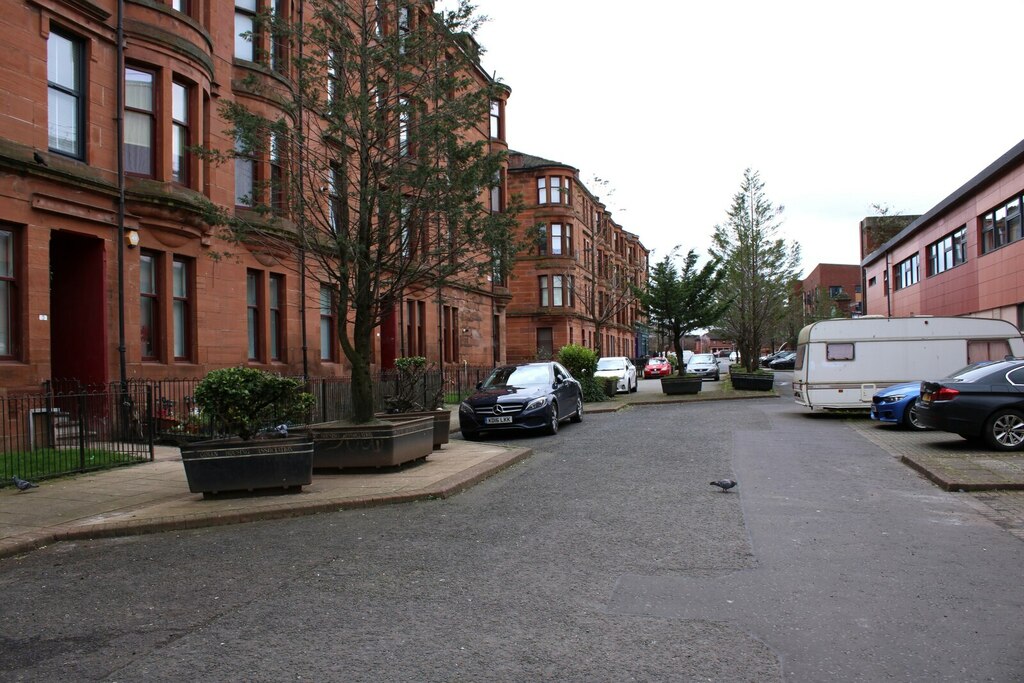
<point x="276" y="315"/>
<point x="327" y="326"/>
<point x="149" y="302"/>
<point x="252" y="303"/>
<point x="182" y="309"/>
<point x="138" y="121"/>
<point x="180" y="136"/>
<point x="8" y="295"/>
<point x="245" y="27"/>
<point x="948" y="252"/>
<point x="1001" y="226"/>
<point x="907" y="272"/>
<point x="66" y="94"/>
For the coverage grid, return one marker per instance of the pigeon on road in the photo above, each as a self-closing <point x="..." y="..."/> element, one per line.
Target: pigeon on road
<point x="724" y="484"/>
<point x="23" y="485"/>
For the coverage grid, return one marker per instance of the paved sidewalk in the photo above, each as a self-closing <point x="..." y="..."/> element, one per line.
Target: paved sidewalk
<point x="154" y="496"/>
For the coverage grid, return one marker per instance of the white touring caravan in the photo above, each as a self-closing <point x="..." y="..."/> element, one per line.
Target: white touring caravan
<point x="841" y="363"/>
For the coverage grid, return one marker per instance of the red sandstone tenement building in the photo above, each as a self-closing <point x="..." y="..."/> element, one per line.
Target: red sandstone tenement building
<point x="963" y="257"/>
<point x="71" y="276"/>
<point x="573" y="284"/>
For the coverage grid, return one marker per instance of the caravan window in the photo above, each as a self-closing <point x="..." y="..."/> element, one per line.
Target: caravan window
<point x="842" y="351"/>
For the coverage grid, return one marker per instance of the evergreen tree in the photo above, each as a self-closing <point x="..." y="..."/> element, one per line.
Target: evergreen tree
<point x="680" y="301"/>
<point x="759" y="268"/>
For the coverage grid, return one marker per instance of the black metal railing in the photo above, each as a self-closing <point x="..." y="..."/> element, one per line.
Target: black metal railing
<point x="81" y="429"/>
<point x="70" y="427"/>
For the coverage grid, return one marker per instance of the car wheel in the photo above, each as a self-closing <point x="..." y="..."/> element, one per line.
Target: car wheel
<point x="910" y="420"/>
<point x="577" y="417"/>
<point x="553" y="426"/>
<point x="718" y="377"/>
<point x="633" y="390"/>
<point x="1004" y="431"/>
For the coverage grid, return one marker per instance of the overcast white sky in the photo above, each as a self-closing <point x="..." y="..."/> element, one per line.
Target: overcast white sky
<point x="837" y="105"/>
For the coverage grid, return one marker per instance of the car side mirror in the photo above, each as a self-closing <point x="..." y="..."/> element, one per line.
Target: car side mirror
<point x="479" y="385"/>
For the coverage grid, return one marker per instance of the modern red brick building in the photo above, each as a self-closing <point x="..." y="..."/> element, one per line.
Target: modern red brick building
<point x="572" y="285"/>
<point x="965" y="256"/>
<point x="78" y="265"/>
<point x="833" y="286"/>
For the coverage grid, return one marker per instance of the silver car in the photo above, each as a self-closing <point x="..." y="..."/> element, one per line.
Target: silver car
<point x="705" y="365"/>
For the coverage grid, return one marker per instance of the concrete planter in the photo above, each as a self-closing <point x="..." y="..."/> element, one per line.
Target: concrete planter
<point x="236" y="465"/>
<point x="745" y="381"/>
<point x="384" y="444"/>
<point x="442" y="423"/>
<point x="678" y="386"/>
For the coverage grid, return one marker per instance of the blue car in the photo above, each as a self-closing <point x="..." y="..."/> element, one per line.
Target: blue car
<point x="896" y="404"/>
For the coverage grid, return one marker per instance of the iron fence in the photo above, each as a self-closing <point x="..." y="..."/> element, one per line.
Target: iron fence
<point x="79" y="429"/>
<point x="71" y="427"/>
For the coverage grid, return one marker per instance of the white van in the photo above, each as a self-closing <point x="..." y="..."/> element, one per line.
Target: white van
<point x="842" y="363"/>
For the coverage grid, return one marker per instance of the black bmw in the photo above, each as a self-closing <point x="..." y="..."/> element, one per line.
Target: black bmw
<point x="527" y="396"/>
<point x="979" y="402"/>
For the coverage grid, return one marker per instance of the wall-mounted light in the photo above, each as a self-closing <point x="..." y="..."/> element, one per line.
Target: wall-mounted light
<point x="131" y="237"/>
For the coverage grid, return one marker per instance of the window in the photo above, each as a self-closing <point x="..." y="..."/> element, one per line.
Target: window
<point x="276" y="308"/>
<point x="415" y="328"/>
<point x="181" y="287"/>
<point x="278" y="41"/>
<point x="277" y="189"/>
<point x="66" y="94"/>
<point x="834" y="291"/>
<point x="906" y="272"/>
<point x="948" y="252"/>
<point x="180" y="6"/>
<point x="180" y="136"/>
<point x="1001" y="226"/>
<point x="451" y="334"/>
<point x="556" y="190"/>
<point x="556" y="239"/>
<point x="843" y="351"/>
<point x="542" y="240"/>
<point x="327" y="326"/>
<point x="542" y="190"/>
<point x="252" y="302"/>
<point x="872" y="281"/>
<point x="138" y="121"/>
<point x="8" y="296"/>
<point x="545" y="297"/>
<point x="405" y="146"/>
<point x="497" y="203"/>
<point x="545" y="342"/>
<point x="245" y="176"/>
<point x="332" y="76"/>
<point x="149" y="305"/>
<point x="245" y="26"/>
<point x="496" y="120"/>
<point x="403" y="27"/>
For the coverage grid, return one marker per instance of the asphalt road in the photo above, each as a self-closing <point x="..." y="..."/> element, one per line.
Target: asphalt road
<point x="604" y="557"/>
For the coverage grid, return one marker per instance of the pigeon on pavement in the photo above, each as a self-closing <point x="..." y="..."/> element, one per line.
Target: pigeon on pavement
<point x="23" y="485"/>
<point x="724" y="484"/>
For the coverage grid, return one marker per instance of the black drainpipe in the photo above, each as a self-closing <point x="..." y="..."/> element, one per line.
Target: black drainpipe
<point x="122" y="363"/>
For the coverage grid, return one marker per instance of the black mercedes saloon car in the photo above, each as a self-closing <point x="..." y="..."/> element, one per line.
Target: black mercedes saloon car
<point x="526" y="396"/>
<point x="984" y="402"/>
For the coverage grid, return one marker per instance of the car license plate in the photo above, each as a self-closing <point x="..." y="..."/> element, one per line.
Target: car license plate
<point x="500" y="420"/>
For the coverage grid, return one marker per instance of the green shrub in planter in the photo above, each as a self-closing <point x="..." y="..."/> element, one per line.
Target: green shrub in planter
<point x="578" y="360"/>
<point x="242" y="401"/>
<point x="593" y="390"/>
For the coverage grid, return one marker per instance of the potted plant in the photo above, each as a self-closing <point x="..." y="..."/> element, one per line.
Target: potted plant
<point x="412" y="382"/>
<point x="759" y="380"/>
<point x="247" y="403"/>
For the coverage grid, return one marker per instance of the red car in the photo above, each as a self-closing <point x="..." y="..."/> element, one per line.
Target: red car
<point x="657" y="367"/>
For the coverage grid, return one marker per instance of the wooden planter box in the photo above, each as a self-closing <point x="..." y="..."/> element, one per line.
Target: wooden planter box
<point x="678" y="386"/>
<point x="442" y="423"/>
<point x="744" y="381"/>
<point x="236" y="465"/>
<point x="383" y="444"/>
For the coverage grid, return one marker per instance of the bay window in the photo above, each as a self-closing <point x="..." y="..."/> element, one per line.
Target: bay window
<point x="138" y="121"/>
